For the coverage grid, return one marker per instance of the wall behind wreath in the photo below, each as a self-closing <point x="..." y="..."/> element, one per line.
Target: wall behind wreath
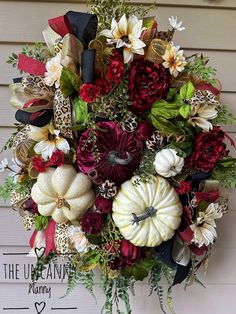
<point x="211" y="28"/>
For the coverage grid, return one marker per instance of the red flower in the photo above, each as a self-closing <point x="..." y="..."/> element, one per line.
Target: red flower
<point x="104" y="86"/>
<point x="129" y="251"/>
<point x="89" y="92"/>
<point x="115" y="69"/>
<point x="184" y="187"/>
<point x="30" y="206"/>
<point x="57" y="159"/>
<point x="208" y="149"/>
<point x="103" y="205"/>
<point x="119" y="153"/>
<point x="92" y="222"/>
<point x="148" y="82"/>
<point x="129" y="254"/>
<point x="38" y="164"/>
<point x="211" y="197"/>
<point x="144" y="131"/>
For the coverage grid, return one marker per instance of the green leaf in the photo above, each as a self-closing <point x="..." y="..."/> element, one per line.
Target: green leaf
<point x="185" y="111"/>
<point x="164" y="109"/>
<point x="140" y="269"/>
<point x="69" y="82"/>
<point x="37" y="223"/>
<point x="165" y="126"/>
<point x="81" y="111"/>
<point x="187" y="91"/>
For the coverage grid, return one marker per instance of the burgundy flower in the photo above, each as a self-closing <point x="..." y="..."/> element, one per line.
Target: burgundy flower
<point x="30" y="206"/>
<point x="119" y="153"/>
<point x="115" y="69"/>
<point x="38" y="164"/>
<point x="145" y="130"/>
<point x="103" y="205"/>
<point x="89" y="92"/>
<point x="103" y="85"/>
<point x="92" y="222"/>
<point x="57" y="159"/>
<point x="184" y="187"/>
<point x="148" y="82"/>
<point x="208" y="149"/>
<point x="129" y="254"/>
<point x="210" y="197"/>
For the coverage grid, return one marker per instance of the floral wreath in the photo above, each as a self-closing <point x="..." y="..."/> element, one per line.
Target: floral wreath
<point x="119" y="159"/>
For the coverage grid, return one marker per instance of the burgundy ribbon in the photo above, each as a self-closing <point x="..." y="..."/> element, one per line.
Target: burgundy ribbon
<point x="61" y="25"/>
<point x="31" y="66"/>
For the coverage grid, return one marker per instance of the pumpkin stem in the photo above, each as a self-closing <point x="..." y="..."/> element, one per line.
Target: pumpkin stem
<point x="150" y="212"/>
<point x="114" y="159"/>
<point x="61" y="202"/>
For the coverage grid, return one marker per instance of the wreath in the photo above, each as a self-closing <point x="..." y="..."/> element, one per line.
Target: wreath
<point x="119" y="159"/>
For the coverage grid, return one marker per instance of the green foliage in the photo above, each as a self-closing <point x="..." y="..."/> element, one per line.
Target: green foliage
<point x="41" y="222"/>
<point x="185" y="111"/>
<point x="81" y="111"/>
<point x="197" y="65"/>
<point x="41" y="265"/>
<point x="146" y="167"/>
<point x="6" y="188"/>
<point x="224" y="117"/>
<point x="140" y="269"/>
<point x="9" y="186"/>
<point x="69" y="82"/>
<point x="187" y="91"/>
<point x="37" y="51"/>
<point x="225" y="172"/>
<point x="116" y="290"/>
<point x="9" y="143"/>
<point x="107" y="9"/>
<point x="75" y="277"/>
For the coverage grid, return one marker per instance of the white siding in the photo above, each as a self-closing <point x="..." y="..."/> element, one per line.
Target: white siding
<point x="211" y="27"/>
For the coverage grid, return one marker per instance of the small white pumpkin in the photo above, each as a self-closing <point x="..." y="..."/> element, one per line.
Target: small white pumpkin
<point x="167" y="163"/>
<point x="147" y="213"/>
<point x="63" y="193"/>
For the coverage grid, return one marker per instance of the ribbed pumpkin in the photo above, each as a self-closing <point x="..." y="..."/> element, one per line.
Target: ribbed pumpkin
<point x="63" y="193"/>
<point x="147" y="213"/>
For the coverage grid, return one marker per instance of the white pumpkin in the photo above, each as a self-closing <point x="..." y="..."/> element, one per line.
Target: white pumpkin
<point x="167" y="163"/>
<point x="148" y="213"/>
<point x="63" y="193"/>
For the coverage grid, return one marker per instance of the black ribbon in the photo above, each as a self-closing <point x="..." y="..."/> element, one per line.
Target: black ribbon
<point x="39" y="118"/>
<point x="164" y="253"/>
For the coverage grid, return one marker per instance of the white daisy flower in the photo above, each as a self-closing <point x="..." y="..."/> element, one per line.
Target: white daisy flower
<point x="53" y="74"/>
<point x="126" y="34"/>
<point x="175" y="25"/>
<point x="174" y="59"/>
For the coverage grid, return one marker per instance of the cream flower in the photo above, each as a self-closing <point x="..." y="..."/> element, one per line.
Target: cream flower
<point x="126" y="34"/>
<point x="174" y="59"/>
<point x="200" y="114"/>
<point x="49" y="141"/>
<point x="78" y="239"/>
<point x="175" y="25"/>
<point x="53" y="74"/>
<point x="204" y="229"/>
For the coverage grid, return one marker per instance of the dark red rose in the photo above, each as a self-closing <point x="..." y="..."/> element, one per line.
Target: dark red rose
<point x="184" y="187"/>
<point x="38" y="164"/>
<point x="148" y="82"/>
<point x="208" y="149"/>
<point x="145" y="130"/>
<point x="89" y="92"/>
<point x="92" y="222"/>
<point x="104" y="86"/>
<point x="103" y="205"/>
<point x="129" y="251"/>
<point x="115" y="69"/>
<point x="210" y="197"/>
<point x="129" y="254"/>
<point x="119" y="153"/>
<point x="57" y="159"/>
<point x="30" y="206"/>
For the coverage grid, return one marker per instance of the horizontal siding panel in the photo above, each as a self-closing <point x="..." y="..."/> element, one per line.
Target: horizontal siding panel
<point x="195" y="3"/>
<point x="218" y="59"/>
<point x="195" y="300"/>
<point x="197" y="35"/>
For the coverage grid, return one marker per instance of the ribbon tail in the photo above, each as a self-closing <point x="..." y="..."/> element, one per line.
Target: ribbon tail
<point x="49" y="234"/>
<point x="31" y="65"/>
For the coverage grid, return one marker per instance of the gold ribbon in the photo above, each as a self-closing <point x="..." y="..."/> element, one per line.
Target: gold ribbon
<point x="155" y="51"/>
